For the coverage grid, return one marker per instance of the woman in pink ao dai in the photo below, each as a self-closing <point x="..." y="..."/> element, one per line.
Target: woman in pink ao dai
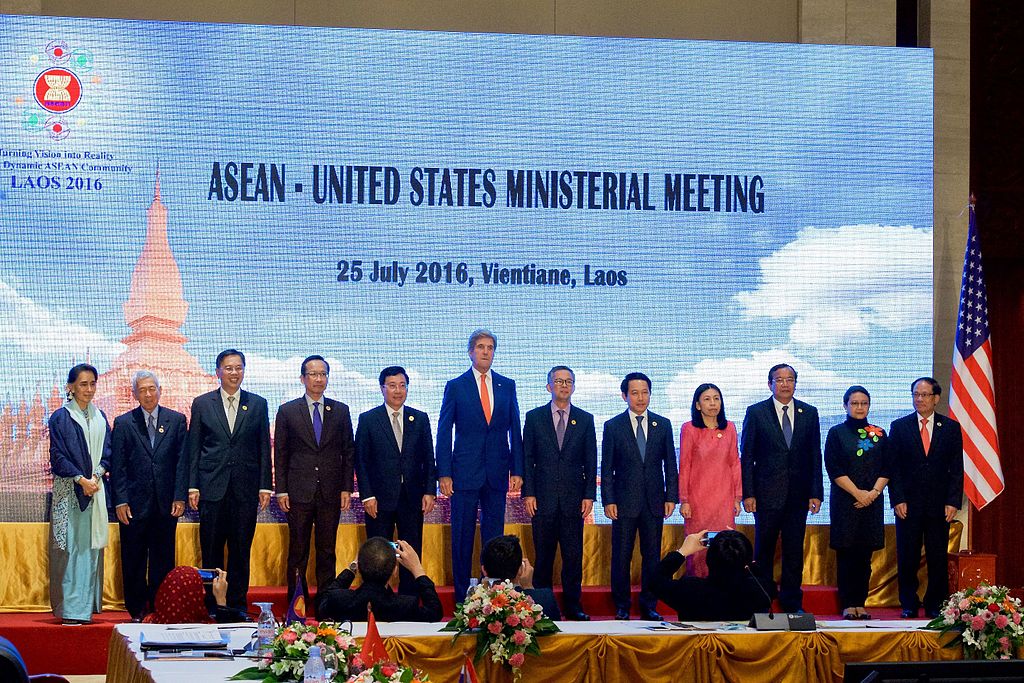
<point x="710" y="485"/>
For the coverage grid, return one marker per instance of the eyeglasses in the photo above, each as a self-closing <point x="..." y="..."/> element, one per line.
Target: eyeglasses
<point x="919" y="394"/>
<point x="784" y="380"/>
<point x="395" y="387"/>
<point x="563" y="382"/>
<point x="317" y="375"/>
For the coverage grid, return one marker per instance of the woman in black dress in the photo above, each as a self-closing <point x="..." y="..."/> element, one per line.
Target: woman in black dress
<point x="856" y="460"/>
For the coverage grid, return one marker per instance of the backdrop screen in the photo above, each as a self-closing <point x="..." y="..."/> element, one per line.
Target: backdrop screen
<point x="698" y="211"/>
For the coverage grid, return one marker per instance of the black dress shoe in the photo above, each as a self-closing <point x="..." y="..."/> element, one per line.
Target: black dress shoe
<point x="622" y="615"/>
<point x="931" y="613"/>
<point x="577" y="615"/>
<point x="136" y="620"/>
<point x="650" y="615"/>
<point x="909" y="614"/>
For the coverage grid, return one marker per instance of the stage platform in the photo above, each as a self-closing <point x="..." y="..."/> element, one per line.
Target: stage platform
<point x="83" y="649"/>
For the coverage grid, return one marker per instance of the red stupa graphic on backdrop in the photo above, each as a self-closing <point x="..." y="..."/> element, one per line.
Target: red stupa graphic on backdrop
<point x="155" y="311"/>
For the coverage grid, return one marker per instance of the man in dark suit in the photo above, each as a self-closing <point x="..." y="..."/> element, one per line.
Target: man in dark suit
<point x="781" y="464"/>
<point x="639" y="489"/>
<point x="395" y="465"/>
<point x="926" y="489"/>
<point x="149" y="481"/>
<point x="377" y="565"/>
<point x="560" y="484"/>
<point x="313" y="464"/>
<point x="229" y="459"/>
<point x="482" y="407"/>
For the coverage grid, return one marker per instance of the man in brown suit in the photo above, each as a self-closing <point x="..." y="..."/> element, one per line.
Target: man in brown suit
<point x="313" y="462"/>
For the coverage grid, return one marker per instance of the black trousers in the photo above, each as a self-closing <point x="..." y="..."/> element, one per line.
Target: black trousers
<point x="407" y="518"/>
<point x="323" y="512"/>
<point x="231" y="522"/>
<point x="146" y="543"/>
<point x="853" y="574"/>
<point x="789" y="523"/>
<point x="933" y="529"/>
<point x="624" y="533"/>
<point x="560" y="528"/>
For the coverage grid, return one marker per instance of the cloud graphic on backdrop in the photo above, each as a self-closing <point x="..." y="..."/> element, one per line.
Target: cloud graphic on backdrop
<point x="46" y="342"/>
<point x="837" y="285"/>
<point x="744" y="381"/>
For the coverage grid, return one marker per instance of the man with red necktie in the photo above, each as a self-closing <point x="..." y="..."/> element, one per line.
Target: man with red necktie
<point x="925" y="491"/>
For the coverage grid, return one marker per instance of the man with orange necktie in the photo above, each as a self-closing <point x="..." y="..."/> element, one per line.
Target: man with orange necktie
<point x="482" y="407"/>
<point x="925" y="491"/>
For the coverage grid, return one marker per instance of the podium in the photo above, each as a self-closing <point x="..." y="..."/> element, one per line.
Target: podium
<point x="969" y="568"/>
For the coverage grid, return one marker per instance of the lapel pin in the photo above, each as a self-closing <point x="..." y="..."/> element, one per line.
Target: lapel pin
<point x="327" y="407"/>
<point x="938" y="424"/>
<point x="799" y="410"/>
<point x="654" y="424"/>
<point x="245" y="407"/>
<point x="719" y="435"/>
<point x="411" y="418"/>
<point x="572" y="422"/>
<point x="161" y="430"/>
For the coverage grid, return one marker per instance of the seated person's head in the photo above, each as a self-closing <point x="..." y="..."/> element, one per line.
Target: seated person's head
<point x="180" y="599"/>
<point x="729" y="552"/>
<point x="502" y="558"/>
<point x="377" y="560"/>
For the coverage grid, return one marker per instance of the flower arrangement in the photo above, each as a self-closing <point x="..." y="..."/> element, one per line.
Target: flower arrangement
<point x="986" y="619"/>
<point x="507" y="622"/>
<point x="389" y="672"/>
<point x="289" y="650"/>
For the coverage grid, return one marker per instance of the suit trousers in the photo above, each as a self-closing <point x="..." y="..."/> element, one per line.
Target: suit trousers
<point x="407" y="518"/>
<point x="561" y="528"/>
<point x="853" y="574"/>
<point x="148" y="540"/>
<point x="491" y="503"/>
<point x="934" y="530"/>
<point x="624" y="533"/>
<point x="790" y="522"/>
<point x="229" y="521"/>
<point x="323" y="513"/>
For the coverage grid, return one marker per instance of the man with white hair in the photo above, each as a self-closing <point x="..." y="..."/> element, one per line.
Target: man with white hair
<point x="149" y="482"/>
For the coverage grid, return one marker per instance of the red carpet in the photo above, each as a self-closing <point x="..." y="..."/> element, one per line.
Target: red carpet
<point x="49" y="647"/>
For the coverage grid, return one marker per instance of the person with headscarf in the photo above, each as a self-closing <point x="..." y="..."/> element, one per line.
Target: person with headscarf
<point x="79" y="459"/>
<point x="181" y="599"/>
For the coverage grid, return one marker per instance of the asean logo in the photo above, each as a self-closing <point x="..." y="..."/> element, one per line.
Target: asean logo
<point x="58" y="90"/>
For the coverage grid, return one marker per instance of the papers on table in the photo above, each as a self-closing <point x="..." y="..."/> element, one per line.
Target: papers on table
<point x="203" y="638"/>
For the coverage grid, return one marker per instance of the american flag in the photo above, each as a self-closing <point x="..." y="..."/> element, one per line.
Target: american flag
<point x="972" y="401"/>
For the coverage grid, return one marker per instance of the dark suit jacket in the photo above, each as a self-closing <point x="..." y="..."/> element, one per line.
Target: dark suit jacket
<point x="482" y="452"/>
<point x="338" y="602"/>
<point x="69" y="454"/>
<point x="773" y="473"/>
<point x="926" y="484"/>
<point x="565" y="476"/>
<point x="149" y="478"/>
<point x="217" y="456"/>
<point x="380" y="466"/>
<point x="634" y="484"/>
<point x="733" y="597"/>
<point x="300" y="465"/>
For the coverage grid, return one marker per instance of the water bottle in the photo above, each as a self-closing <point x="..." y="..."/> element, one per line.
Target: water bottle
<point x="314" y="671"/>
<point x="266" y="627"/>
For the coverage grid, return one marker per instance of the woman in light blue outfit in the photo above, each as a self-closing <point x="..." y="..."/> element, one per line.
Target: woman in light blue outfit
<point x="79" y="457"/>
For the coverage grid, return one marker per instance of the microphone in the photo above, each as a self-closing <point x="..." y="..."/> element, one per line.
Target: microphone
<point x="771" y="612"/>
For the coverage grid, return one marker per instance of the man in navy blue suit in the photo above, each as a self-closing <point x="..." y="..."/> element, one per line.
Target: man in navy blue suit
<point x="149" y="482"/>
<point x="560" y="484"/>
<point x="926" y="451"/>
<point x="482" y="407"/>
<point x="639" y="489"/>
<point x="781" y="447"/>
<point x="230" y="473"/>
<point x="395" y="466"/>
